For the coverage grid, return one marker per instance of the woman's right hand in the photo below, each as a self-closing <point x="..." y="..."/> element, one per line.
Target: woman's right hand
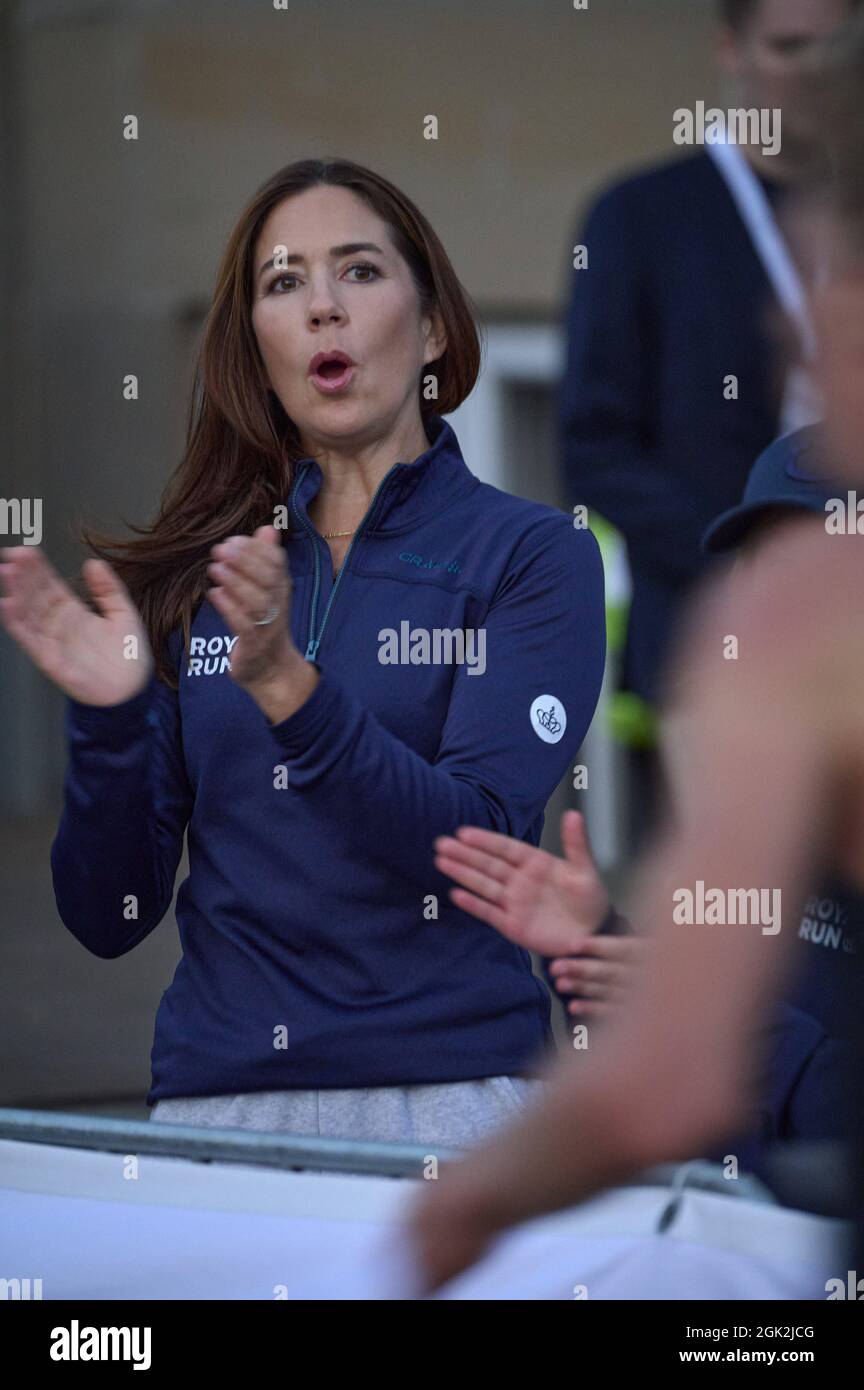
<point x="89" y="655"/>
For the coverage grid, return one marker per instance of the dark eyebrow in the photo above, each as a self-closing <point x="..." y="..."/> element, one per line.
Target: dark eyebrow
<point x="791" y="40"/>
<point x="347" y="249"/>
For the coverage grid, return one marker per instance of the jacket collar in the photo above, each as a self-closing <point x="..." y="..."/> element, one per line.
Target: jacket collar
<point x="409" y="492"/>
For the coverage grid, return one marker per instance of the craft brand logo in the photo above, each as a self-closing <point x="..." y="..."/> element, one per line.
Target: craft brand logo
<point x="438" y="646"/>
<point x="548" y="718"/>
<point x="450" y="566"/>
<point x="733" y="127"/>
<point x="76" y="1343"/>
<point x="22" y="516"/>
<point x="733" y="907"/>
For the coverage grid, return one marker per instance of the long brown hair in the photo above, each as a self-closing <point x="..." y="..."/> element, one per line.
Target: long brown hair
<point x="241" y="446"/>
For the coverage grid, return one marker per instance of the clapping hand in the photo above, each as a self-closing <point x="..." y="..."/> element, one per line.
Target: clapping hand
<point x="543" y="903"/>
<point x="100" y="658"/>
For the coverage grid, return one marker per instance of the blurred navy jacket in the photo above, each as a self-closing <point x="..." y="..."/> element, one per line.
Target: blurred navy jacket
<point x="672" y="302"/>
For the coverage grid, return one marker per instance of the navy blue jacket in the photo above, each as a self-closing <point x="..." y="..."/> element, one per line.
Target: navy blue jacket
<point x="828" y="977"/>
<point x="806" y="1085"/>
<point x="673" y="301"/>
<point x="311" y="955"/>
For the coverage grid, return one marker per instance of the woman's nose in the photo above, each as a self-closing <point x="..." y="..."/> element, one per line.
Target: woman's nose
<point x="324" y="306"/>
<point x="332" y="314"/>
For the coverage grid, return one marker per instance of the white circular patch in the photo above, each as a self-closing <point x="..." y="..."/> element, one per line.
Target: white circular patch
<point x="548" y="718"/>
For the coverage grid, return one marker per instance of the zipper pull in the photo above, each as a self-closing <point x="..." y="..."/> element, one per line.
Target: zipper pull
<point x="311" y="650"/>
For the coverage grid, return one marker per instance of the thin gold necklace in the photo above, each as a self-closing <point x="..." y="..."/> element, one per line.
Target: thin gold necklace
<point x="332" y="535"/>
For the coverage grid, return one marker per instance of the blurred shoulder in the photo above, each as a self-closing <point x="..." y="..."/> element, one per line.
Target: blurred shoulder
<point x="782" y="624"/>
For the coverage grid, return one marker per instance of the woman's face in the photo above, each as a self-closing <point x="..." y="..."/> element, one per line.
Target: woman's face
<point x="325" y="296"/>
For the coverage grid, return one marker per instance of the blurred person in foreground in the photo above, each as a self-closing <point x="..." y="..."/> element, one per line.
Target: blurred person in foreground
<point x="561" y="907"/>
<point x="766" y="799"/>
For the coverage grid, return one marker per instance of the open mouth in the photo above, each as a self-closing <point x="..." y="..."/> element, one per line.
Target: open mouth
<point x="331" y="369"/>
<point x="331" y="372"/>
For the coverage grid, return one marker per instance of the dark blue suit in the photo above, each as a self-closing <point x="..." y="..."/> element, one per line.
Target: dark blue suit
<point x="674" y="300"/>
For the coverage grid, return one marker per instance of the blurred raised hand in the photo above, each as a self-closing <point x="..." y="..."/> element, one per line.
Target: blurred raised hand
<point x="91" y="656"/>
<point x="601" y="970"/>
<point x="543" y="903"/>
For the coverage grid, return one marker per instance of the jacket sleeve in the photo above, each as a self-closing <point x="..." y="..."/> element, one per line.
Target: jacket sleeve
<point x="126" y="804"/>
<point x="607" y="400"/>
<point x="545" y="653"/>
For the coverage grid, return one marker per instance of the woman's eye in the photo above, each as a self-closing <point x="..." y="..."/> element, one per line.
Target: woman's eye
<point x="372" y="272"/>
<point x="364" y="265"/>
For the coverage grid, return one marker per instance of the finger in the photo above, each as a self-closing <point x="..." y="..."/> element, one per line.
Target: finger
<point x="591" y="984"/>
<point x="237" y="617"/>
<point x="479" y="908"/>
<point x="591" y="1008"/>
<point x="477" y="859"/>
<point x="109" y="593"/>
<point x="620" y="980"/>
<point x="34" y="634"/>
<point x="252" y="556"/>
<point x="14" y="578"/>
<point x="272" y="536"/>
<point x="515" y="852"/>
<point x="250" y="596"/>
<point x="38" y="604"/>
<point x="591" y="972"/>
<point x="609" y="972"/>
<point x="256" y="585"/>
<point x="615" y="988"/>
<point x="481" y="884"/>
<point x="582" y="968"/>
<point x="574" y="838"/>
<point x="21" y="630"/>
<point x="616" y="948"/>
<point x="34" y="583"/>
<point x="567" y="984"/>
<point x="578" y="988"/>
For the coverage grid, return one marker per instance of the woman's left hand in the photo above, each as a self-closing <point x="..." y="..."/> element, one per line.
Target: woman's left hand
<point x="250" y="575"/>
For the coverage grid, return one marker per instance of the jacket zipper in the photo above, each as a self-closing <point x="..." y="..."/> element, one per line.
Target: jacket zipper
<point x="313" y="642"/>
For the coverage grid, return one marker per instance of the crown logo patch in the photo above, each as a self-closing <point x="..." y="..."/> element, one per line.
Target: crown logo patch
<point x="548" y="718"/>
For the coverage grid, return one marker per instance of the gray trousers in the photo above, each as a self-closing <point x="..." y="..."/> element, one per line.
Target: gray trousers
<point x="452" y="1114"/>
